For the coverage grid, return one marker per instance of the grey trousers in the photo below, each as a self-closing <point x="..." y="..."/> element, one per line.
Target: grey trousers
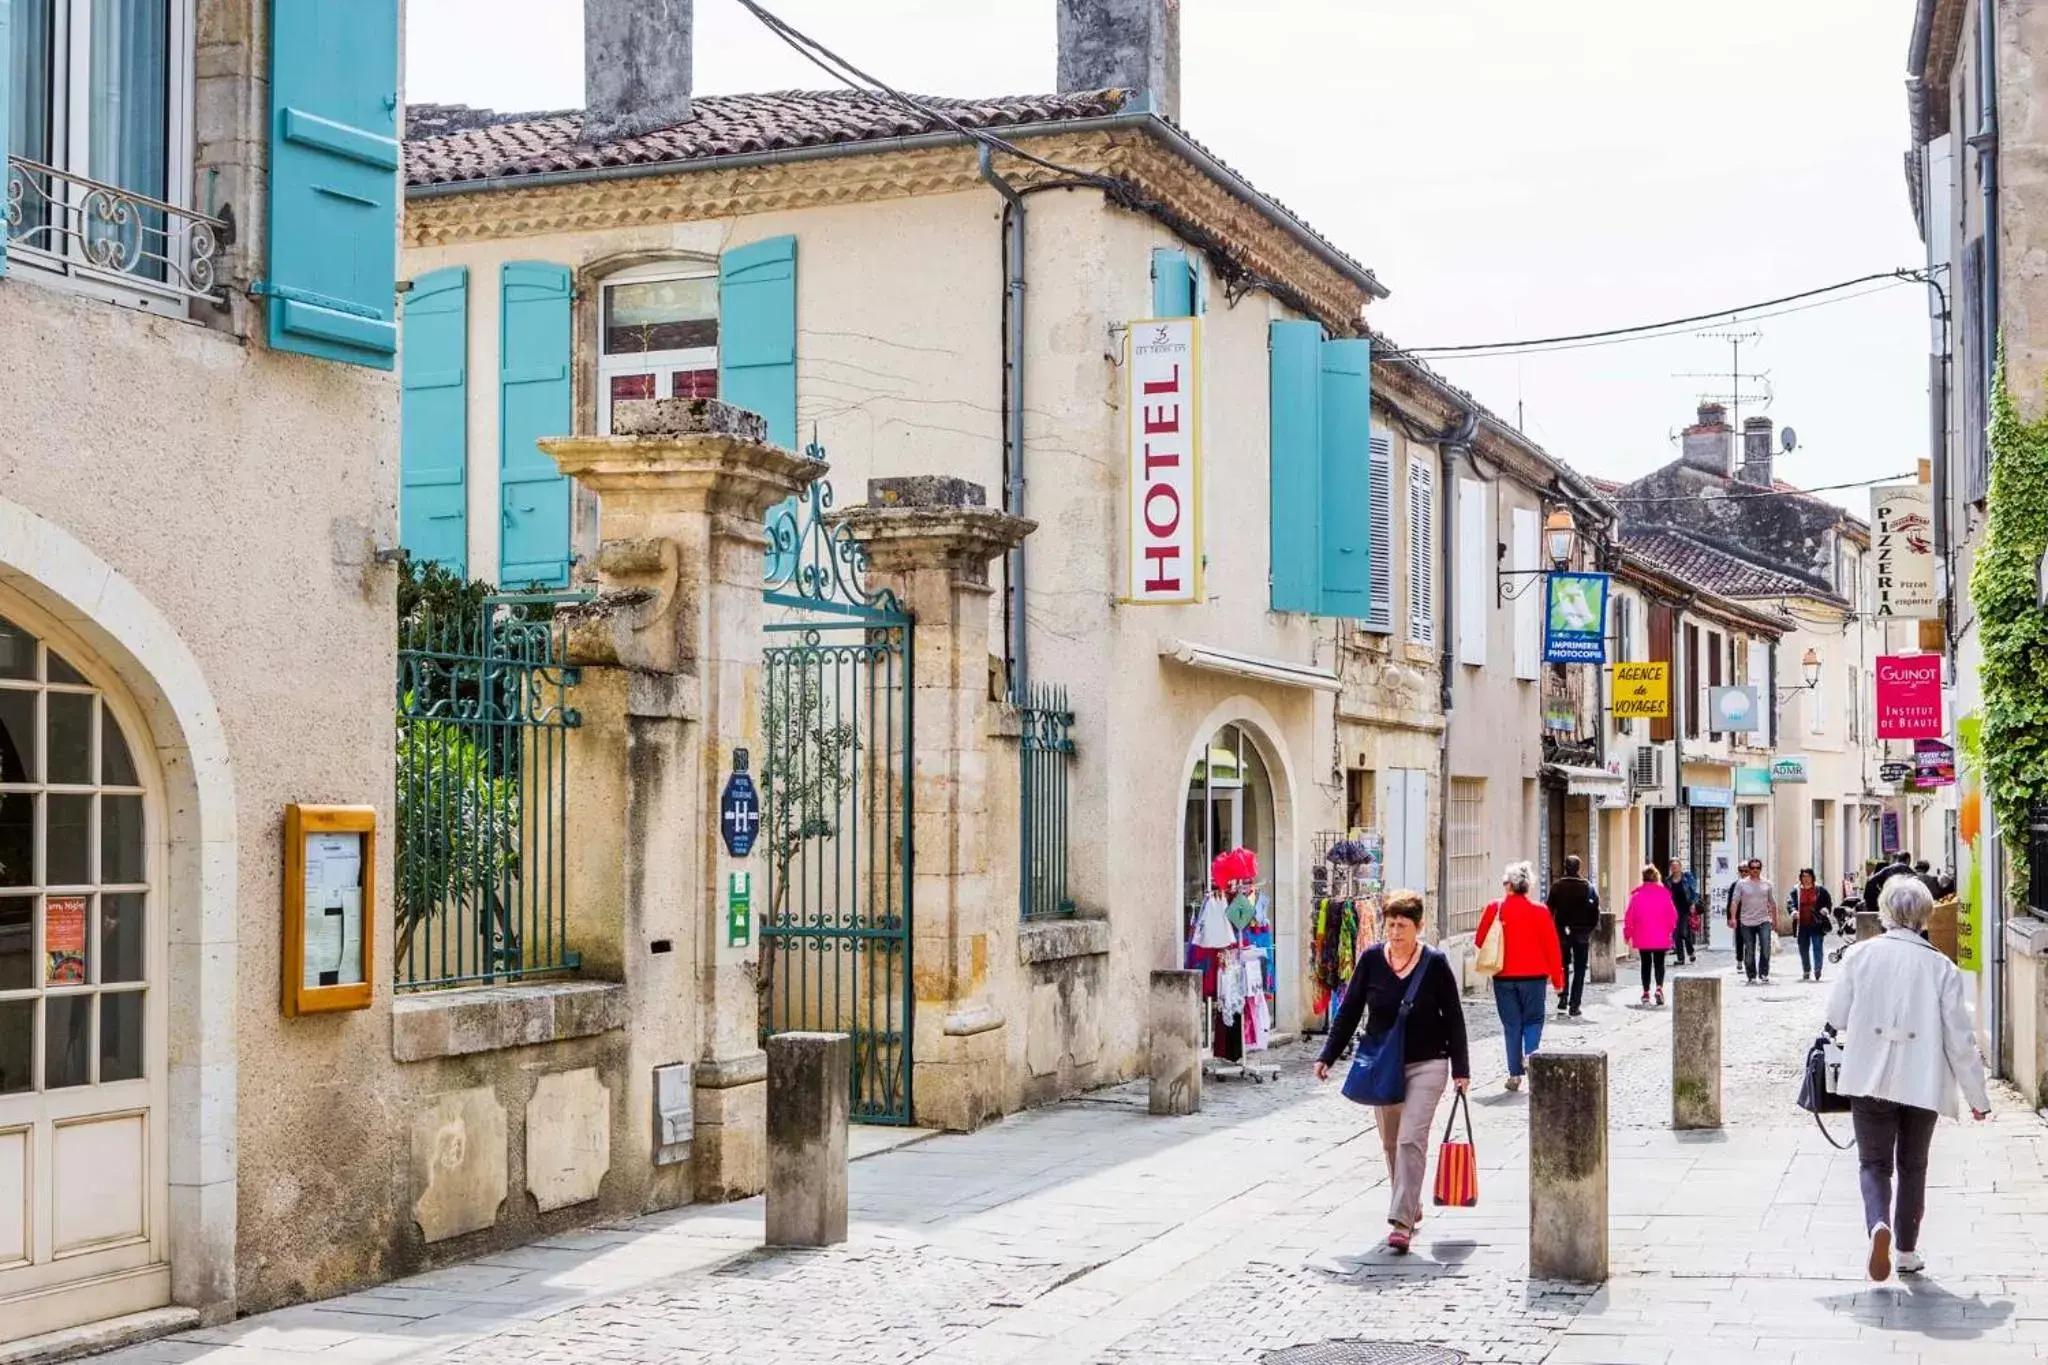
<point x="1405" y="1133"/>
<point x="1892" y="1136"/>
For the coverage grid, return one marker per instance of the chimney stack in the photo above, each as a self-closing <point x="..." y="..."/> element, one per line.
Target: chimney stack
<point x="1709" y="443"/>
<point x="636" y="66"/>
<point x="1756" y="451"/>
<point x="1125" y="45"/>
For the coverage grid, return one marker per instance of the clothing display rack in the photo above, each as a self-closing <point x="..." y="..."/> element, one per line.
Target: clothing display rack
<point x="1345" y="886"/>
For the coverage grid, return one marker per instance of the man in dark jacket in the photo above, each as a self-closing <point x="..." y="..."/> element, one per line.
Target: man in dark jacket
<point x="1685" y="894"/>
<point x="1575" y="906"/>
<point x="1900" y="865"/>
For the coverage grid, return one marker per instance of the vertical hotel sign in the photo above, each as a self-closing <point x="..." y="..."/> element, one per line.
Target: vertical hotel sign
<point x="1902" y="544"/>
<point x="1163" y="514"/>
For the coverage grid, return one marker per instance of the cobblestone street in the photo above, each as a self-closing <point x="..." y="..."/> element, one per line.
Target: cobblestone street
<point x="1090" y="1232"/>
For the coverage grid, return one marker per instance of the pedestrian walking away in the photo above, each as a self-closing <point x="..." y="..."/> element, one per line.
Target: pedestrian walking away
<point x="1433" y="1047"/>
<point x="1811" y="905"/>
<point x="1529" y="957"/>
<point x="1901" y="865"/>
<point x="1751" y="906"/>
<point x="1907" y="1048"/>
<point x="1575" y="907"/>
<point x="1685" y="898"/>
<point x="1648" y="927"/>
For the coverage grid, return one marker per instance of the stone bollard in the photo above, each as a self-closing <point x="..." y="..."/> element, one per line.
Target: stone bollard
<point x="808" y="1076"/>
<point x="1695" y="1052"/>
<point x="1174" y="1042"/>
<point x="1868" y="925"/>
<point x="1568" y="1167"/>
<point x="1600" y="970"/>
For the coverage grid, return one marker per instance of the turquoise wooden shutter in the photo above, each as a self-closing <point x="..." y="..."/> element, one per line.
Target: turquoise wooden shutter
<point x="1173" y="284"/>
<point x="533" y="401"/>
<point x="333" y="268"/>
<point x="1345" y="504"/>
<point x="757" y="357"/>
<point x="1296" y="463"/>
<point x="6" y="103"/>
<point x="433" y="449"/>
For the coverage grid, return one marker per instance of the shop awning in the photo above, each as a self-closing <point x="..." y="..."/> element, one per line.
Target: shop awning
<point x="1587" y="781"/>
<point x="1229" y="661"/>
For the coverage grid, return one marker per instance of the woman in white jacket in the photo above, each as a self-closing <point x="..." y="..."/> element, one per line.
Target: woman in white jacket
<point x="1907" y="1045"/>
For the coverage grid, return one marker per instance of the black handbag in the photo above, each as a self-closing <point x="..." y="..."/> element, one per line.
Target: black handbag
<point x="1817" y="1094"/>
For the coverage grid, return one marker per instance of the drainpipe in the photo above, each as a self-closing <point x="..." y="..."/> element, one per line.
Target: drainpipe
<point x="1013" y="413"/>
<point x="1455" y="439"/>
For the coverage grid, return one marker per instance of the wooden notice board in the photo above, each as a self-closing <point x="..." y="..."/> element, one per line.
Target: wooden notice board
<point x="330" y="911"/>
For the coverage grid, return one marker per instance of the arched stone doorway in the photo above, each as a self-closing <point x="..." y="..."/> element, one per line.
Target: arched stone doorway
<point x="118" y="932"/>
<point x="1237" y="791"/>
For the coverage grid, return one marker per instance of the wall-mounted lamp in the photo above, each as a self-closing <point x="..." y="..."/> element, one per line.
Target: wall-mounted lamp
<point x="1809" y="668"/>
<point x="1560" y="544"/>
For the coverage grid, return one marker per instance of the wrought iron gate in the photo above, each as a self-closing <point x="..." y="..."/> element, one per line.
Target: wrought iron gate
<point x="836" y="804"/>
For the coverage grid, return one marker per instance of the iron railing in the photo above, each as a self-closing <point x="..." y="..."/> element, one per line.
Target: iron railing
<point x="481" y="866"/>
<point x="91" y="229"/>
<point x="1045" y="753"/>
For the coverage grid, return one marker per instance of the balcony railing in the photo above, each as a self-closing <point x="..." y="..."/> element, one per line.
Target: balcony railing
<point x="99" y="231"/>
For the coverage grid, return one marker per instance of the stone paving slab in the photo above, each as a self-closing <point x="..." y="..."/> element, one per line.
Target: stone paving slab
<point x="1091" y="1232"/>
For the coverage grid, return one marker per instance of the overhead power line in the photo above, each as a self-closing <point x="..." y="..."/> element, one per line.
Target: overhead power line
<point x="1903" y="275"/>
<point x="1768" y="492"/>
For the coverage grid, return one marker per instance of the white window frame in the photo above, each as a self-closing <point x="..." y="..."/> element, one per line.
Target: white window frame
<point x="1816" y="702"/>
<point x="656" y="363"/>
<point x="71" y="145"/>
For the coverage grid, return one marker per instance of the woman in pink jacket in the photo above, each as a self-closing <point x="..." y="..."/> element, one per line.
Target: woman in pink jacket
<point x="1651" y="920"/>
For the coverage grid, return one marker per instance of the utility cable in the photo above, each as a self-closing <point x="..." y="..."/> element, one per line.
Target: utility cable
<point x="1767" y="492"/>
<point x="1485" y="347"/>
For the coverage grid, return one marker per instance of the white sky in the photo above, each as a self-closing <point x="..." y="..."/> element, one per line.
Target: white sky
<point x="1510" y="169"/>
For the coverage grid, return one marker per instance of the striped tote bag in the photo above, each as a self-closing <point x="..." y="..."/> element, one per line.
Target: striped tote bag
<point x="1457" y="1163"/>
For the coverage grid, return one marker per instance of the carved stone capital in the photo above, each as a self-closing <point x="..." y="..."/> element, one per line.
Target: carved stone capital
<point x="960" y="540"/>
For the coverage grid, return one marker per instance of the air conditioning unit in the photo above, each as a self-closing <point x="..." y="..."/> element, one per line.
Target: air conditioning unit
<point x="1650" y="779"/>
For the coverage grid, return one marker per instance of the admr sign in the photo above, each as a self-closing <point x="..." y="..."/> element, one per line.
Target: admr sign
<point x="1641" y="691"/>
<point x="739" y="809"/>
<point x="1163" y="514"/>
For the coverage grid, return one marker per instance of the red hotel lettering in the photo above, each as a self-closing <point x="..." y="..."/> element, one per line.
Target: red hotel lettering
<point x="1159" y="554"/>
<point x="1164" y="385"/>
<point x="1172" y="522"/>
<point x="1155" y="425"/>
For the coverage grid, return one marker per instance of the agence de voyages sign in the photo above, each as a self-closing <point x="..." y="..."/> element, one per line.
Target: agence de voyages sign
<point x="1163" y="516"/>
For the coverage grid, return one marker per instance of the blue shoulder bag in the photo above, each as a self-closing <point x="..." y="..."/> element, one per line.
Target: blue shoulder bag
<point x="1379" y="1068"/>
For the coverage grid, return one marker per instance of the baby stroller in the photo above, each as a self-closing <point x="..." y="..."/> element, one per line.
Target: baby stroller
<point x="1845" y="928"/>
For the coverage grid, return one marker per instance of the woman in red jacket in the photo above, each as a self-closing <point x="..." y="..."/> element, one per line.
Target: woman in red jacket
<point x="1529" y="957"/>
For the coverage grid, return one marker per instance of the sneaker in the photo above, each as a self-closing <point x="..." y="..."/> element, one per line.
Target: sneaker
<point x="1514" y="1082"/>
<point x="1806" y="976"/>
<point x="1646" y="998"/>
<point x="1660" y="995"/>
<point x="1575" y="1014"/>
<point x="1880" y="1252"/>
<point x="1398" y="1240"/>
<point x="1910" y="1262"/>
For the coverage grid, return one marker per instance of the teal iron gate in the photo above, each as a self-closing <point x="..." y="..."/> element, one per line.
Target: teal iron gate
<point x="836" y="804"/>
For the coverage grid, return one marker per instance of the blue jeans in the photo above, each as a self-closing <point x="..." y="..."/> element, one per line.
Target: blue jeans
<point x="1520" y="1000"/>
<point x="1813" y="942"/>
<point x="1753" y="949"/>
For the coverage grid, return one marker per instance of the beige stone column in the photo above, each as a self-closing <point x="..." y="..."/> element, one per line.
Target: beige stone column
<point x="931" y="541"/>
<point x="671" y="653"/>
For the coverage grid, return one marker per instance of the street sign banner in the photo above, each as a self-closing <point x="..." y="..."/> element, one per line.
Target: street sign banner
<point x="1902" y="546"/>
<point x="1788" y="768"/>
<point x="1734" y="710"/>
<point x="1163" y="516"/>
<point x="1575" y="621"/>
<point x="1641" y="691"/>
<point x="1934" y="764"/>
<point x="1909" y="696"/>
<point x="1894" y="772"/>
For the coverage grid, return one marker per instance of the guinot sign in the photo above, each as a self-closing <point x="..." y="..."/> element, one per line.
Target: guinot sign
<point x="1909" y="696"/>
<point x="1163" y="504"/>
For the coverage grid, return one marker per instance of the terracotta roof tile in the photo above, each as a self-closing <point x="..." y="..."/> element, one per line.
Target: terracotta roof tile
<point x="446" y="144"/>
<point x="1714" y="570"/>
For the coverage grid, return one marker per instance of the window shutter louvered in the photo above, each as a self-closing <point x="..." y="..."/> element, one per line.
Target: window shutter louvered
<point x="1421" y="552"/>
<point x="433" y="446"/>
<point x="1663" y="627"/>
<point x="1173" y="284"/>
<point x="1474" y="550"/>
<point x="1295" y="362"/>
<point x="1380" y="516"/>
<point x="533" y="401"/>
<point x="1529" y="605"/>
<point x="1344" y="506"/>
<point x="1624" y="635"/>
<point x="332" y="273"/>
<point x="1976" y="375"/>
<point x="757" y="362"/>
<point x="1759" y="681"/>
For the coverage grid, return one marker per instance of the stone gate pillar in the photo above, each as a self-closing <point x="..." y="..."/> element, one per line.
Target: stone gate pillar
<point x="930" y="540"/>
<point x="671" y="653"/>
